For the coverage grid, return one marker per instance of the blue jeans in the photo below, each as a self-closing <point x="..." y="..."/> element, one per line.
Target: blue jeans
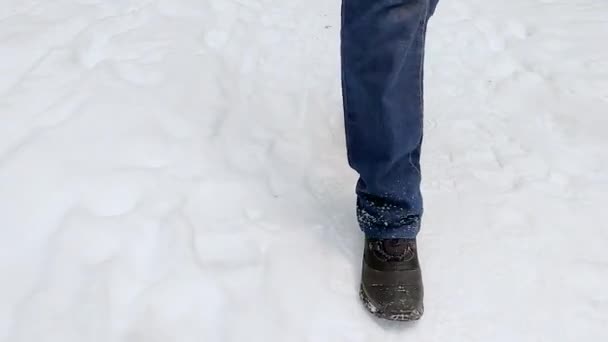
<point x="382" y="73"/>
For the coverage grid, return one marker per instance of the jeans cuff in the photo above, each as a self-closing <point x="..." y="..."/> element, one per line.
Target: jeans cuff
<point x="409" y="231"/>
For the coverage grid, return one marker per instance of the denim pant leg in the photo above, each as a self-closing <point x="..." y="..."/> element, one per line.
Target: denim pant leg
<point x="382" y="75"/>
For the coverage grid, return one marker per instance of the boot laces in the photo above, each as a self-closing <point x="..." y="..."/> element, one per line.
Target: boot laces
<point x="393" y="249"/>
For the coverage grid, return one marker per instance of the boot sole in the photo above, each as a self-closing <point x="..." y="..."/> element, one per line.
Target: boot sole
<point x="402" y="316"/>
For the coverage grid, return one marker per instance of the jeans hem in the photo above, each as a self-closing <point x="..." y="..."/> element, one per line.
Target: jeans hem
<point x="405" y="232"/>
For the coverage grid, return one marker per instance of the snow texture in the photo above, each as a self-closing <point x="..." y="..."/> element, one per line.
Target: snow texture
<point x="174" y="170"/>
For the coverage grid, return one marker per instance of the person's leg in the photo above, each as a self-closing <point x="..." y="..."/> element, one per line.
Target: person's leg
<point x="382" y="73"/>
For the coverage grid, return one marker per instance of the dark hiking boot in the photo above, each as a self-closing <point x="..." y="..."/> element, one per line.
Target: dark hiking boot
<point x="391" y="282"/>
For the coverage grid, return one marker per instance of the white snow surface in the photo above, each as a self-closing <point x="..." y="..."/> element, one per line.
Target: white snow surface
<point x="175" y="170"/>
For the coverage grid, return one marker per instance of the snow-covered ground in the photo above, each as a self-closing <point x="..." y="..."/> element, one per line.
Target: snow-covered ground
<point x="174" y="170"/>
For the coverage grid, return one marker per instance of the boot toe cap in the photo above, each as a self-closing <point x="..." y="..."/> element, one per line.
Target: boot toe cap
<point x="400" y="303"/>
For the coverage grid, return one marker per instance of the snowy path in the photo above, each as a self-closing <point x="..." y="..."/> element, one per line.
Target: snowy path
<point x="174" y="170"/>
